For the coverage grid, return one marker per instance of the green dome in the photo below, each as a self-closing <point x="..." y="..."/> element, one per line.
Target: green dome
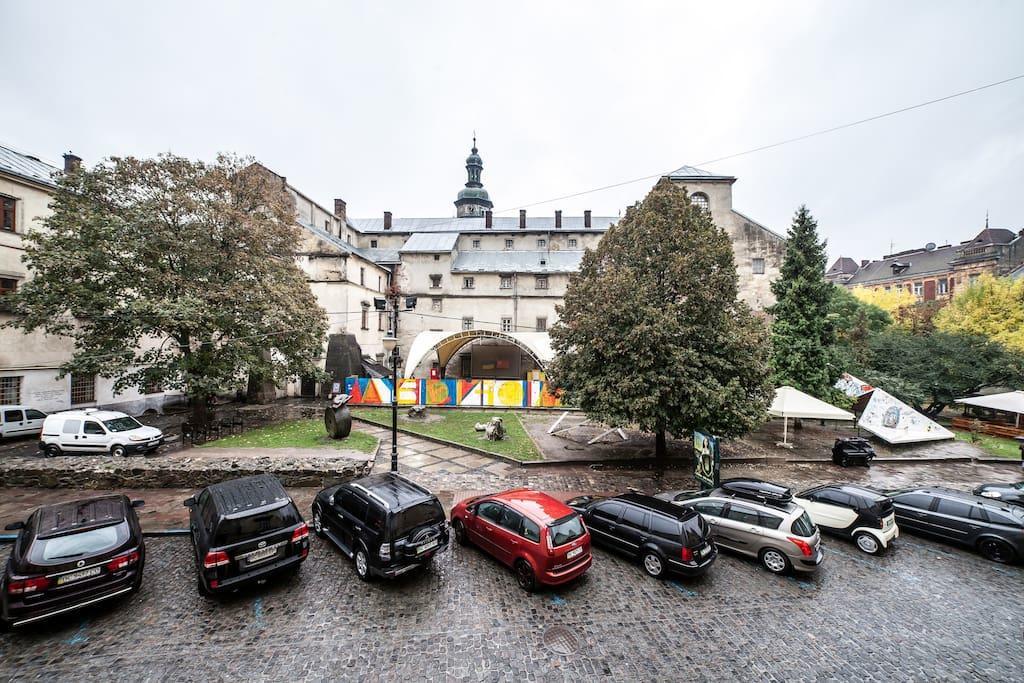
<point x="474" y="193"/>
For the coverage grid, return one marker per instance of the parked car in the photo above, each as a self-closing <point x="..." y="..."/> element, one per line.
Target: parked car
<point x="853" y="450"/>
<point x="20" y="421"/>
<point x="758" y="519"/>
<point x="386" y="523"/>
<point x="664" y="538"/>
<point x="862" y="514"/>
<point x="1005" y="493"/>
<point x="97" y="431"/>
<point x="993" y="528"/>
<point x="543" y="540"/>
<point x="245" y="531"/>
<point x="71" y="555"/>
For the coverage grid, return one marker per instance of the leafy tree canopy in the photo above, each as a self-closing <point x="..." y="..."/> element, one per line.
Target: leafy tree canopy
<point x="992" y="307"/>
<point x="893" y="301"/>
<point x="651" y="332"/>
<point x="173" y="272"/>
<point x="855" y="322"/>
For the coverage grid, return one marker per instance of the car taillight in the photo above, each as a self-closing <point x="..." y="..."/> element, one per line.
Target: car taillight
<point x="36" y="584"/>
<point x="215" y="558"/>
<point x="123" y="561"/>
<point x="301" y="533"/>
<point x="805" y="548"/>
<point x="687" y="555"/>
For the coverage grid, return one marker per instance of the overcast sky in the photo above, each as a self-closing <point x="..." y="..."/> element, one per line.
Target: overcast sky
<point x="376" y="102"/>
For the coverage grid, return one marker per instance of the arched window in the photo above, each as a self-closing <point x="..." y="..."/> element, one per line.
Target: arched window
<point x="700" y="200"/>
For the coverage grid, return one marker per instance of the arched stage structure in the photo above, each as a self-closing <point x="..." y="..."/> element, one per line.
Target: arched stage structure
<point x="537" y="345"/>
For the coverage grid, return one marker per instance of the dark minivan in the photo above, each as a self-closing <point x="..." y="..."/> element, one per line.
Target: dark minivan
<point x="665" y="538"/>
<point x="245" y="530"/>
<point x="994" y="529"/>
<point x="386" y="523"/>
<point x="71" y="555"/>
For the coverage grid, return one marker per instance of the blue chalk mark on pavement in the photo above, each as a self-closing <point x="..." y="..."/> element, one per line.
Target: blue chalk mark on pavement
<point x="558" y="600"/>
<point x="79" y="637"/>
<point x="683" y="589"/>
<point x="257" y="612"/>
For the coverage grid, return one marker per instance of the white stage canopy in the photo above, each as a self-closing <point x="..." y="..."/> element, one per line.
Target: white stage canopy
<point x="536" y="344"/>
<point x="1009" y="402"/>
<point x="790" y="402"/>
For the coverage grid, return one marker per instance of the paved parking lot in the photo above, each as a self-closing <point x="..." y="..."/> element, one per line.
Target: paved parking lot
<point x="923" y="612"/>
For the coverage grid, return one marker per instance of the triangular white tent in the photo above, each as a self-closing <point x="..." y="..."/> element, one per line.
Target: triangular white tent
<point x="790" y="402"/>
<point x="891" y="419"/>
<point x="1009" y="402"/>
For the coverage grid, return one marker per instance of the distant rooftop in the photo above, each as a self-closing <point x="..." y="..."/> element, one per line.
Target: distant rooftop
<point x="694" y="173"/>
<point x="539" y="262"/>
<point x="430" y="242"/>
<point x="477" y="224"/>
<point x="27" y="166"/>
<point x="843" y="265"/>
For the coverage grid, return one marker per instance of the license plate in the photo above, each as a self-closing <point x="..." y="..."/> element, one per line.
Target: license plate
<point x="154" y="443"/>
<point x="889" y="522"/>
<point x="428" y="546"/>
<point x="78" y="576"/>
<point x="705" y="551"/>
<point x="259" y="555"/>
<point x="574" y="553"/>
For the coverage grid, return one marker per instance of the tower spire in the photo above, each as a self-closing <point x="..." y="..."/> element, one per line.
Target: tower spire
<point x="473" y="199"/>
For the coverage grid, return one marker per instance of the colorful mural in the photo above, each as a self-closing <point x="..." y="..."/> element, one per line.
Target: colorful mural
<point x="496" y="393"/>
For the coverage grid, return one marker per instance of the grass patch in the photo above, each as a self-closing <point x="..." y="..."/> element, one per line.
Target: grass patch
<point x="295" y="434"/>
<point x="456" y="425"/>
<point x="998" y="446"/>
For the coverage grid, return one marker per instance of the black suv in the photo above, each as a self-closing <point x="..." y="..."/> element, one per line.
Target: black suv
<point x="386" y="523"/>
<point x="662" y="536"/>
<point x="995" y="529"/>
<point x="245" y="530"/>
<point x="70" y="555"/>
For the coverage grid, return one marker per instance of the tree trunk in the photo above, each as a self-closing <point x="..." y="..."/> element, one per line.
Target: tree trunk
<point x="200" y="411"/>
<point x="660" y="448"/>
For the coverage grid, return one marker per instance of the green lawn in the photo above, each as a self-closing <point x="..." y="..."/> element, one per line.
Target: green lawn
<point x="295" y="434"/>
<point x="456" y="425"/>
<point x="995" y="445"/>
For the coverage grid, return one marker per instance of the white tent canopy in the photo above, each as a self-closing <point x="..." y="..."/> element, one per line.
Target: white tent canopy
<point x="1009" y="402"/>
<point x="790" y="402"/>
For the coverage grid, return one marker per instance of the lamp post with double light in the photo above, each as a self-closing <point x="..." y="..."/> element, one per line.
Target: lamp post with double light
<point x="391" y="346"/>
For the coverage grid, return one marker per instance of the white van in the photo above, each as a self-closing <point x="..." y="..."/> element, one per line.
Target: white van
<point x="20" y="421"/>
<point x="97" y="431"/>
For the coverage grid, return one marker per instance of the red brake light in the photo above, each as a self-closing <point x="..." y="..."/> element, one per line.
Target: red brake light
<point x="687" y="555"/>
<point x="804" y="547"/>
<point x="301" y="533"/>
<point x="215" y="558"/>
<point x="123" y="561"/>
<point x="36" y="584"/>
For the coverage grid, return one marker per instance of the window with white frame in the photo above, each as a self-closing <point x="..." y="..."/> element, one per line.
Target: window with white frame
<point x="435" y="305"/>
<point x="83" y="388"/>
<point x="542" y="243"/>
<point x="506" y="282"/>
<point x="468" y="283"/>
<point x="506" y="324"/>
<point x="509" y="243"/>
<point x="373" y="244"/>
<point x="467" y="323"/>
<point x="10" y="390"/>
<point x="572" y="243"/>
<point x="757" y="265"/>
<point x="542" y="324"/>
<point x="918" y="288"/>
<point x="380" y="321"/>
<point x="542" y="282"/>
<point x="364" y="319"/>
<point x="943" y="286"/>
<point x="8" y="209"/>
<point x="476" y="244"/>
<point x="435" y="282"/>
<point x="700" y="200"/>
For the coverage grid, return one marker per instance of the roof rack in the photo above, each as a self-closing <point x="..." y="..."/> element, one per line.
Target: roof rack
<point x="758" y="490"/>
<point x="371" y="494"/>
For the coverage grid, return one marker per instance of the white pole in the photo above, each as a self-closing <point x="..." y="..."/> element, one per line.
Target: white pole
<point x="785" y="431"/>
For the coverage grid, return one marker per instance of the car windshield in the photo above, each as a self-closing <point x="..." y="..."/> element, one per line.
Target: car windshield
<point x="122" y="424"/>
<point x="85" y="543"/>
<point x="234" y="530"/>
<point x="565" y="530"/>
<point x="803" y="526"/>
<point x="421" y="514"/>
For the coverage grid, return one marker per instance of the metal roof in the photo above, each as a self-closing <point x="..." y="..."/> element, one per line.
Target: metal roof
<point x="517" y="262"/>
<point x="694" y="173"/>
<point x="350" y="248"/>
<point x="26" y="166"/>
<point x="382" y="256"/>
<point x="477" y="224"/>
<point x="430" y="242"/>
<point x="919" y="263"/>
<point x="843" y="264"/>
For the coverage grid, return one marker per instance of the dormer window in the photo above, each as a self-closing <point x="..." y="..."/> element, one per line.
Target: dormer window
<point x="700" y="200"/>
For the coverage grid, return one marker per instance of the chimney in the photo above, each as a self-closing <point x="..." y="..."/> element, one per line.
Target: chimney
<point x="72" y="162"/>
<point x="387" y="220"/>
<point x="558" y="219"/>
<point x="864" y="262"/>
<point x="488" y="219"/>
<point x="522" y="219"/>
<point x="339" y="209"/>
<point x="586" y="218"/>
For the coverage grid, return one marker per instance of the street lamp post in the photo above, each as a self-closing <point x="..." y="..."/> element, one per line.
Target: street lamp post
<point x="391" y="346"/>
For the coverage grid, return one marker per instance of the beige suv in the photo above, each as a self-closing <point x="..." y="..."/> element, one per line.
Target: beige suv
<point x="758" y="519"/>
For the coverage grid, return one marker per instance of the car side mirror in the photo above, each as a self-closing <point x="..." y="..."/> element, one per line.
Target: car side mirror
<point x="15" y="526"/>
<point x="138" y="503"/>
<point x="471" y="509"/>
<point x="190" y="502"/>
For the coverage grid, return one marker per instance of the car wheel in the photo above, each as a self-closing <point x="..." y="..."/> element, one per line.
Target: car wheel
<point x="318" y="522"/>
<point x="996" y="551"/>
<point x="52" y="451"/>
<point x="118" y="451"/>
<point x="362" y="565"/>
<point x="867" y="543"/>
<point x="844" y="461"/>
<point x="653" y="564"/>
<point x="524" y="576"/>
<point x="459" y="529"/>
<point x="774" y="561"/>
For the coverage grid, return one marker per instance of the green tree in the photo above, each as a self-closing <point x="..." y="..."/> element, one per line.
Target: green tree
<point x="855" y="323"/>
<point x="173" y="272"/>
<point x="993" y="307"/>
<point x="802" y="331"/>
<point x="651" y="332"/>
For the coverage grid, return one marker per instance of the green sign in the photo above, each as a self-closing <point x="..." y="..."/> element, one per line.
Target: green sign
<point x="707" y="461"/>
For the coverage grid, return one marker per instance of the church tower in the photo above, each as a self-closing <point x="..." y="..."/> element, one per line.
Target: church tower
<point x="473" y="199"/>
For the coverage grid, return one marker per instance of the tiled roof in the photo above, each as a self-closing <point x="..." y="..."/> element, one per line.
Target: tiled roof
<point x="844" y="265"/>
<point x="25" y="166"/>
<point x="430" y="242"/>
<point x="476" y="224"/>
<point x="694" y="173"/>
<point x="517" y="262"/>
<point x="992" y="236"/>
<point x="921" y="262"/>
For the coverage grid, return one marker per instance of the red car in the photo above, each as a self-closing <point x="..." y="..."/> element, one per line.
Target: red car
<point x="542" y="539"/>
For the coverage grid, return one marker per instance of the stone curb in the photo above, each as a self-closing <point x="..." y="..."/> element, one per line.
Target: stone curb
<point x="444" y="442"/>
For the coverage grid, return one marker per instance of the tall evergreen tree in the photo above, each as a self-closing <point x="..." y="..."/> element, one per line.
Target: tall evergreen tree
<point x="651" y="333"/>
<point x="803" y="334"/>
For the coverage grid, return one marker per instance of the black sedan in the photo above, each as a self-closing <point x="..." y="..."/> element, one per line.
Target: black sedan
<point x="71" y="555"/>
<point x="1005" y="493"/>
